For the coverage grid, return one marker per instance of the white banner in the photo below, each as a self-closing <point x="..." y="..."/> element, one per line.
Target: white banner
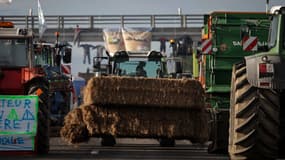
<point x="17" y="143"/>
<point x="42" y="22"/>
<point x="137" y="39"/>
<point x="18" y="114"/>
<point x="113" y="40"/>
<point x="18" y="122"/>
<point x="6" y="1"/>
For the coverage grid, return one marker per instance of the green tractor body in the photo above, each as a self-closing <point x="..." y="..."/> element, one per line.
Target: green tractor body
<point x="257" y="92"/>
<point x="229" y="33"/>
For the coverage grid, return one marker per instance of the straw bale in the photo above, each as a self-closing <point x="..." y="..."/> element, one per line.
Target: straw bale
<point x="154" y="92"/>
<point x="74" y="129"/>
<point x="122" y="121"/>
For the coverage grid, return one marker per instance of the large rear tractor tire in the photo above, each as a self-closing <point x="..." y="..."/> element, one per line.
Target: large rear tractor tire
<point x="254" y="119"/>
<point x="42" y="137"/>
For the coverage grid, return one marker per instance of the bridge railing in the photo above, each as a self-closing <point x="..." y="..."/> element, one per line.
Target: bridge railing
<point x="103" y="21"/>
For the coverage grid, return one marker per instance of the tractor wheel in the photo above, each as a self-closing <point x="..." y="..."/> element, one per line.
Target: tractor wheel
<point x="282" y="127"/>
<point x="42" y="140"/>
<point x="236" y="70"/>
<point x="108" y="140"/>
<point x="254" y="119"/>
<point x="167" y="142"/>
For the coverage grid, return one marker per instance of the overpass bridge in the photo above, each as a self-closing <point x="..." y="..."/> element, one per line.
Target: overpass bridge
<point x="91" y="26"/>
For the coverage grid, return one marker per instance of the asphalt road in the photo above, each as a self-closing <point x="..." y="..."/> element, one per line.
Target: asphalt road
<point x="125" y="149"/>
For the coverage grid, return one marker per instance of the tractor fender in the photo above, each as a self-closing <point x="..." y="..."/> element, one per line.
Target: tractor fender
<point x="40" y="80"/>
<point x="252" y="70"/>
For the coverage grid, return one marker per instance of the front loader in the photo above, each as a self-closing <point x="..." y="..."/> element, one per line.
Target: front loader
<point x="126" y="103"/>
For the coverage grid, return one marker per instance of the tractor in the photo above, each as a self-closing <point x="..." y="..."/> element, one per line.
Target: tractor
<point x="220" y="48"/>
<point x="241" y="71"/>
<point x="30" y="68"/>
<point x="137" y="98"/>
<point x="20" y="75"/>
<point x="54" y="60"/>
<point x="257" y="91"/>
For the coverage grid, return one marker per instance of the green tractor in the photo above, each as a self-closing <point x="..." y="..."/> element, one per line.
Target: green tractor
<point x="256" y="113"/>
<point x="222" y="47"/>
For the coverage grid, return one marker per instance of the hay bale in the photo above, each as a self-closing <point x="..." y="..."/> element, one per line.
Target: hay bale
<point x="154" y="92"/>
<point x="74" y="129"/>
<point x="139" y="107"/>
<point x="146" y="122"/>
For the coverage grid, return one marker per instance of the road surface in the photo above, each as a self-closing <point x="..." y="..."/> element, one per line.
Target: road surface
<point x="125" y="149"/>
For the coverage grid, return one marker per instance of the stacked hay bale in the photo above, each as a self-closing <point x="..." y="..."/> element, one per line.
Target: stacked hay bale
<point x="150" y="92"/>
<point x="74" y="130"/>
<point x="140" y="107"/>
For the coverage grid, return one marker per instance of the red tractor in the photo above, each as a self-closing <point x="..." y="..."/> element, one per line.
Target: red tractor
<point x="25" y="69"/>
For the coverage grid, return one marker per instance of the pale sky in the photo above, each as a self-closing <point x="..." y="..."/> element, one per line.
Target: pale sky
<point x="107" y="7"/>
<point x="121" y="7"/>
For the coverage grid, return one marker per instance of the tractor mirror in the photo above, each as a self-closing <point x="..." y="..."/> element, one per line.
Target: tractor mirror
<point x="244" y="31"/>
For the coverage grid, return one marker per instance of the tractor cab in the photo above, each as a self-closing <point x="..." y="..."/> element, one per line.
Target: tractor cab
<point x="16" y="60"/>
<point x="12" y="42"/>
<point x="144" y="64"/>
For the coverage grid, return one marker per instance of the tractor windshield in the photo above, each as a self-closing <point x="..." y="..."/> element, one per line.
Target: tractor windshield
<point x="44" y="55"/>
<point x="138" y="68"/>
<point x="273" y="32"/>
<point x="13" y="53"/>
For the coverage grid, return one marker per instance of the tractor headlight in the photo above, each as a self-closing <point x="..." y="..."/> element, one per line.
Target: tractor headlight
<point x="264" y="58"/>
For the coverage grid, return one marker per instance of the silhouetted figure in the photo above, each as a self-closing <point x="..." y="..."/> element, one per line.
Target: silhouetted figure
<point x="86" y="51"/>
<point x="76" y="38"/>
<point x="163" y="44"/>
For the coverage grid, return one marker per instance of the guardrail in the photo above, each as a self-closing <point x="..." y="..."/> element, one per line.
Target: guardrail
<point x="103" y="21"/>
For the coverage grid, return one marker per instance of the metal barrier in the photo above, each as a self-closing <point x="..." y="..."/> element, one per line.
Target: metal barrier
<point x="103" y="21"/>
